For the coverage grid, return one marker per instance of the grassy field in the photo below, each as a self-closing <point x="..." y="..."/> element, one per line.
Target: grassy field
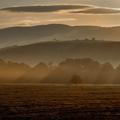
<point x="59" y="102"/>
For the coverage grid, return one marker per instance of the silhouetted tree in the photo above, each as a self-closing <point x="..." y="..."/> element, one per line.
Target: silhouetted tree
<point x="93" y="39"/>
<point x="76" y="79"/>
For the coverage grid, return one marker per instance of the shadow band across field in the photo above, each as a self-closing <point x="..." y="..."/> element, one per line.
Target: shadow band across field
<point x="59" y="102"/>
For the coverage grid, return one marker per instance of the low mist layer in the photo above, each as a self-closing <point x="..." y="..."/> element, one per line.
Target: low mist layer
<point x="70" y="71"/>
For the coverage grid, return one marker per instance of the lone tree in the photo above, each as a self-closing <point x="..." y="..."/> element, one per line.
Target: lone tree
<point x="76" y="79"/>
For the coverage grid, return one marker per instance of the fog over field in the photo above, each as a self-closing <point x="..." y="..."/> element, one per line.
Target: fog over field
<point x="59" y="59"/>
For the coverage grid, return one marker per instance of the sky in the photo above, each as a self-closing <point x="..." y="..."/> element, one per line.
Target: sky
<point x="105" y="3"/>
<point x="95" y="12"/>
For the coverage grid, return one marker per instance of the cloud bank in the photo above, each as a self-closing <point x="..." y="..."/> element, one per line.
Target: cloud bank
<point x="98" y="11"/>
<point x="51" y="8"/>
<point x="86" y="9"/>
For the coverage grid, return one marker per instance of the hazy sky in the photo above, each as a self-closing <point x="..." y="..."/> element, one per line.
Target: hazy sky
<point x="100" y="16"/>
<point x="107" y="3"/>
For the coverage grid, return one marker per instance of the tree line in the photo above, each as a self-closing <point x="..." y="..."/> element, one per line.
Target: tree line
<point x="72" y="71"/>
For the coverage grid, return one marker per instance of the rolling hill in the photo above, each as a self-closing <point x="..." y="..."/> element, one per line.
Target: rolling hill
<point x="55" y="51"/>
<point x="28" y="35"/>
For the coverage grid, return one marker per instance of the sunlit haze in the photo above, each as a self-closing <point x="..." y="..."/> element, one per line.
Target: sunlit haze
<point x="97" y="13"/>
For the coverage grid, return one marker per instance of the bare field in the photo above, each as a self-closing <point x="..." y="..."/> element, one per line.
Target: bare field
<point x="59" y="102"/>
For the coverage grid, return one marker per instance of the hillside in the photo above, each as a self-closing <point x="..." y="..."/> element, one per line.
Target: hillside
<point x="55" y="51"/>
<point x="28" y="35"/>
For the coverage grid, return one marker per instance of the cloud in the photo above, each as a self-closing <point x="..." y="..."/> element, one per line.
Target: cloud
<point x="51" y="8"/>
<point x="65" y="19"/>
<point x="29" y="22"/>
<point x="98" y="11"/>
<point x="86" y="9"/>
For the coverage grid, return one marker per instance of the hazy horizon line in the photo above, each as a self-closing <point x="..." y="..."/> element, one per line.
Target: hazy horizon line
<point x="29" y="26"/>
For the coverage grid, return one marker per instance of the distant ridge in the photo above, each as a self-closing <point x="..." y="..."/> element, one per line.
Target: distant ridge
<point x="28" y="35"/>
